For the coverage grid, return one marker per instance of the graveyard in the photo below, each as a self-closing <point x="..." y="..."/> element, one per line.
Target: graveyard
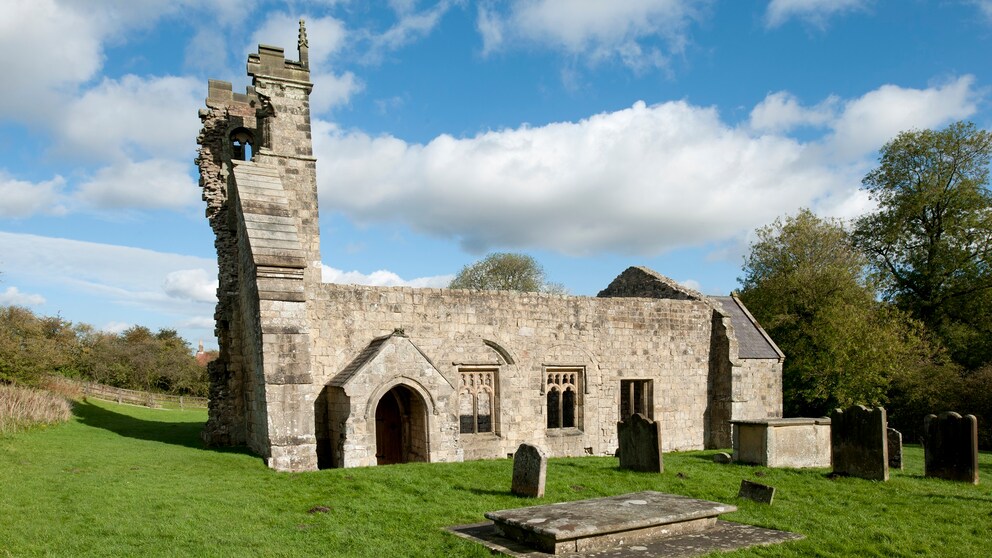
<point x="161" y="493"/>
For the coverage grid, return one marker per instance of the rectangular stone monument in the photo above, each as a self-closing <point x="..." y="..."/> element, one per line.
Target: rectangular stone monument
<point x="602" y="523"/>
<point x="950" y="447"/>
<point x="530" y="466"/>
<point x="895" y="448"/>
<point x="640" y="444"/>
<point x="784" y="442"/>
<point x="859" y="443"/>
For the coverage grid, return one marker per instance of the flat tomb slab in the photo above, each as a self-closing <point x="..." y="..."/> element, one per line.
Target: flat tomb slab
<point x="599" y="523"/>
<point x="722" y="537"/>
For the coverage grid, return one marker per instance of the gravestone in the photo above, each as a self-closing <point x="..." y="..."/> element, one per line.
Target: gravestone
<point x="722" y="457"/>
<point x="640" y="444"/>
<point x="895" y="448"/>
<point x="530" y="466"/>
<point x="950" y="447"/>
<point x="859" y="443"/>
<point x="761" y="493"/>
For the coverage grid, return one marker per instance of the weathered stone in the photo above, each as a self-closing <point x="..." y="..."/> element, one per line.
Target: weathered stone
<point x="553" y="365"/>
<point x="859" y="442"/>
<point x="789" y="442"/>
<point x="761" y="493"/>
<point x="950" y="447"/>
<point x="723" y="458"/>
<point x="598" y="523"/>
<point x="724" y="536"/>
<point x="640" y="444"/>
<point x="530" y="467"/>
<point x="894" y="438"/>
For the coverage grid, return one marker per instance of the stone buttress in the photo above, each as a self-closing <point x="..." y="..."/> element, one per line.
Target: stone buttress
<point x="258" y="176"/>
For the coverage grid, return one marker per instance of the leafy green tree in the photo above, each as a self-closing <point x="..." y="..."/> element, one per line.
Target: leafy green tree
<point x="806" y="283"/>
<point x="505" y="271"/>
<point x="930" y="241"/>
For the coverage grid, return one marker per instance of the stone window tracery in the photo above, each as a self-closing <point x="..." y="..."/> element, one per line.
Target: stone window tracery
<point x="477" y="399"/>
<point x="564" y="397"/>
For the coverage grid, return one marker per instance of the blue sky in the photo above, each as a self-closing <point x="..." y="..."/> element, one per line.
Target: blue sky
<point x="593" y="135"/>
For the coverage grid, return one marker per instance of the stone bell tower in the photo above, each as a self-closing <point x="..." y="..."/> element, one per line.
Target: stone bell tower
<point x="258" y="176"/>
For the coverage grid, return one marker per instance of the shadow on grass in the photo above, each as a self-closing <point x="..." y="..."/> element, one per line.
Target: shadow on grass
<point x="185" y="434"/>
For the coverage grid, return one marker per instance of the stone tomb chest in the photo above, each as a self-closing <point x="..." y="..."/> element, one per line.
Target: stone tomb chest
<point x="783" y="442"/>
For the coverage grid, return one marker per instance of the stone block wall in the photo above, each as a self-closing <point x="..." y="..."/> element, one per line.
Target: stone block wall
<point x="666" y="341"/>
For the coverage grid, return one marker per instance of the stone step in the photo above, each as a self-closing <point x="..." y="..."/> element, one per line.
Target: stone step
<point x="601" y="523"/>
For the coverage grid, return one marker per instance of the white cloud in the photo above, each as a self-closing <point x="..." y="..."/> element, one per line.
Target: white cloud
<point x="199" y="322"/>
<point x="381" y="278"/>
<point x="782" y="112"/>
<point x="24" y="199"/>
<point x="410" y="26"/>
<point x="984" y="6"/>
<point x="877" y="116"/>
<point x="642" y="180"/>
<point x="815" y="12"/>
<point x="48" y="47"/>
<point x="155" y="183"/>
<point x="133" y="116"/>
<point x="116" y="327"/>
<point x="13" y="297"/>
<point x="119" y="274"/>
<point x="191" y="284"/>
<point x="594" y="29"/>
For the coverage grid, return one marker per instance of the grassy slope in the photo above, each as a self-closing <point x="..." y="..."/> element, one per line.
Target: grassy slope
<point x="121" y="480"/>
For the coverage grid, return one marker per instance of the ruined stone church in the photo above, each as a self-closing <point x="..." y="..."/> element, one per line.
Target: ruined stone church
<point x="314" y="375"/>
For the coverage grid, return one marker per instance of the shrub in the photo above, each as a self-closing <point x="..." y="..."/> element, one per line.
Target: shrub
<point x="22" y="408"/>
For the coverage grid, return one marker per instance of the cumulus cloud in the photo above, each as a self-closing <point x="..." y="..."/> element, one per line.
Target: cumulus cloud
<point x="199" y="322"/>
<point x="591" y="28"/>
<point x="155" y="183"/>
<point x="782" y="112"/>
<point x="381" y="278"/>
<point x="13" y="297"/>
<point x="877" y="116"/>
<point x="191" y="284"/>
<point x="24" y="199"/>
<point x="133" y="116"/>
<point x="815" y="12"/>
<point x="641" y="180"/>
<point x="121" y="274"/>
<point x="115" y="327"/>
<point x="57" y="47"/>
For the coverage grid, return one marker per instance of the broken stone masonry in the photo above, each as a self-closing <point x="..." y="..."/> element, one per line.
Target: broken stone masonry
<point x="313" y="375"/>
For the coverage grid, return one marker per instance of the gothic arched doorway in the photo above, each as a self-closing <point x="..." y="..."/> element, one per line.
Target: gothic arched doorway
<point x="400" y="427"/>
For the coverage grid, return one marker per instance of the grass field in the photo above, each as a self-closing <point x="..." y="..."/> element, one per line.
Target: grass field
<point x="130" y="481"/>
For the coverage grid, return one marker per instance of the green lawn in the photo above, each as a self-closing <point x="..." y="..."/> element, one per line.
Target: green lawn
<point x="127" y="481"/>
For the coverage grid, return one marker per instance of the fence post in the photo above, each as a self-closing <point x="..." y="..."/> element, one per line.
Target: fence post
<point x="181" y="402"/>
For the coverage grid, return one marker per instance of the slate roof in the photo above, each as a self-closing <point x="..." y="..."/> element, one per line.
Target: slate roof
<point x="752" y="340"/>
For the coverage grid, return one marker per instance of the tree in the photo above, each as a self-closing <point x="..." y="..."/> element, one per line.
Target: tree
<point x="806" y="283"/>
<point x="505" y="271"/>
<point x="931" y="239"/>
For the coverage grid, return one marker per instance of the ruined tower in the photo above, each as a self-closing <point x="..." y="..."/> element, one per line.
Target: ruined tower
<point x="258" y="176"/>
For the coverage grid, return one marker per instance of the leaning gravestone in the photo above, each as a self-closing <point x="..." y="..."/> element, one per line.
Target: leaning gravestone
<point x="761" y="493"/>
<point x="950" y="447"/>
<point x="640" y="444"/>
<point x="859" y="444"/>
<point x="530" y="466"/>
<point x="895" y="448"/>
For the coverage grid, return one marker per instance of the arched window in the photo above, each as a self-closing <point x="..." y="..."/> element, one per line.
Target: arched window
<point x="241" y="144"/>
<point x="477" y="400"/>
<point x="564" y="397"/>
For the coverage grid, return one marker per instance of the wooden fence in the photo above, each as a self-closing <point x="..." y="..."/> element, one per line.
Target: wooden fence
<point x="120" y="395"/>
